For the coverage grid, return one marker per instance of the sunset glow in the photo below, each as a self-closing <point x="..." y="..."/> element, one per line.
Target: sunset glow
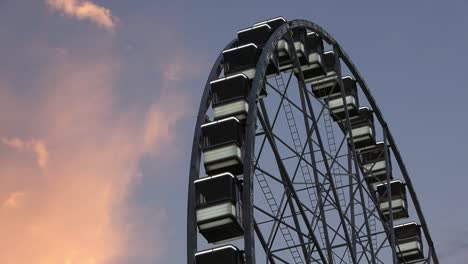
<point x="69" y="158"/>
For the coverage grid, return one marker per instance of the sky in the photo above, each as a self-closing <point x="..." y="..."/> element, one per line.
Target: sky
<point x="98" y="101"/>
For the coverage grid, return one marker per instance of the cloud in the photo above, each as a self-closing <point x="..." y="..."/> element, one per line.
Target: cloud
<point x="76" y="210"/>
<point x="36" y="146"/>
<point x="84" y="10"/>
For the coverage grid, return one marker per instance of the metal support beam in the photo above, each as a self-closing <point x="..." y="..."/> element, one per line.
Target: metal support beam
<point x="287" y="180"/>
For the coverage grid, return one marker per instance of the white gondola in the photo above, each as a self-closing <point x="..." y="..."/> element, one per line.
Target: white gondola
<point x="228" y="254"/>
<point x="222" y="146"/>
<point x="374" y="165"/>
<point x="314" y="67"/>
<point x="241" y="60"/>
<point x="362" y="129"/>
<point x="284" y="55"/>
<point x="230" y="97"/>
<point x="335" y="102"/>
<point x="409" y="243"/>
<point x="274" y="23"/>
<point x="282" y="48"/>
<point x="325" y="84"/>
<point x="300" y="44"/>
<point x="219" y="207"/>
<point x="399" y="203"/>
<point x="259" y="35"/>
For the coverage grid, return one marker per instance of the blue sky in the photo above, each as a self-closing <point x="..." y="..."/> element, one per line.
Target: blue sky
<point x="136" y="84"/>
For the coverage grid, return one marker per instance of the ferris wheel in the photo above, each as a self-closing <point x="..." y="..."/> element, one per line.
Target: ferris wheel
<point x="293" y="162"/>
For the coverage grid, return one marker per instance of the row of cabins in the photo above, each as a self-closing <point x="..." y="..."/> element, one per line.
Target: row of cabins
<point x="219" y="194"/>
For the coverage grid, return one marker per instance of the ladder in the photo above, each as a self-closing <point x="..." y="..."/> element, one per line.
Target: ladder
<point x="335" y="168"/>
<point x="266" y="190"/>
<point x="298" y="147"/>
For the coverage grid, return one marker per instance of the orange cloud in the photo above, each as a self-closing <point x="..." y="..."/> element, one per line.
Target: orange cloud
<point x="84" y="10"/>
<point x="73" y="212"/>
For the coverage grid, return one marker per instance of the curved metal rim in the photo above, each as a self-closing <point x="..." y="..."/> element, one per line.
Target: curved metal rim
<point x="258" y="82"/>
<point x="195" y="158"/>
